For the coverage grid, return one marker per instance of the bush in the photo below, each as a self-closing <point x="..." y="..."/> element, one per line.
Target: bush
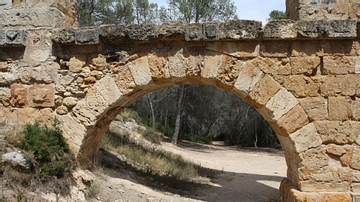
<point x="199" y="138"/>
<point x="151" y="135"/>
<point x="49" y="148"/>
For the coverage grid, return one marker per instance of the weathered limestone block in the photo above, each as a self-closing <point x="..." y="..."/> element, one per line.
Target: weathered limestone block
<point x="311" y="186"/>
<point x="236" y="49"/>
<point x="355" y="160"/>
<point x="355" y="109"/>
<point x="240" y="29"/>
<point x="332" y="174"/>
<point x="315" y="107"/>
<point x="32" y="18"/>
<point x="141" y="32"/>
<point x="62" y="110"/>
<point x="108" y="89"/>
<point x="193" y="32"/>
<point x="69" y="102"/>
<point x="248" y="77"/>
<point x="15" y="37"/>
<point x="279" y="49"/>
<point x="176" y="64"/>
<point x="75" y="65"/>
<point x="306" y="48"/>
<point x="212" y="63"/>
<point x="171" y="30"/>
<point x="157" y="63"/>
<point x="229" y="71"/>
<point x="41" y="96"/>
<point x="334" y="197"/>
<point x="210" y="31"/>
<point x="38" y="47"/>
<point x="86" y="111"/>
<point x="289" y="192"/>
<point x="338" y="132"/>
<point x="305" y="139"/>
<point x="339" y="64"/>
<point x="325" y="29"/>
<point x="281" y="103"/>
<point x="314" y="158"/>
<point x="73" y="131"/>
<point x="305" y="65"/>
<point x="281" y="29"/>
<point x="141" y="71"/>
<point x="7" y="78"/>
<point x="319" y="9"/>
<point x="17" y="160"/>
<point x="63" y="36"/>
<point x="293" y="120"/>
<point x="339" y="108"/>
<point x="347" y="85"/>
<point x="338" y="47"/>
<point x="302" y="86"/>
<point x="355" y="187"/>
<point x="98" y="63"/>
<point x="90" y="79"/>
<point x="336" y="150"/>
<point x="124" y="80"/>
<point x="273" y="66"/>
<point x="264" y="90"/>
<point x="86" y="36"/>
<point x="18" y="95"/>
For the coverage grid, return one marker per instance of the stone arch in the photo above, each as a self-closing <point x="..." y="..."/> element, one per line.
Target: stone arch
<point x="216" y="64"/>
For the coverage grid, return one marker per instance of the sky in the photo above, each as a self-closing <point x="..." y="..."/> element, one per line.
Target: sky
<point x="249" y="9"/>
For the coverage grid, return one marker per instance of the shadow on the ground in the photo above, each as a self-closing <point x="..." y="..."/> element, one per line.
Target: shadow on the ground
<point x="227" y="186"/>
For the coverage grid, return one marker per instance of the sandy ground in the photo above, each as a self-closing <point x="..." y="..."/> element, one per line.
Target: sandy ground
<point x="247" y="175"/>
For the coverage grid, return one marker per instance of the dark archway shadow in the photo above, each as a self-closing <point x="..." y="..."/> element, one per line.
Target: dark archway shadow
<point x="225" y="186"/>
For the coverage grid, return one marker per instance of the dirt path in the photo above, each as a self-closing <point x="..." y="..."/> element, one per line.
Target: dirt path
<point x="248" y="175"/>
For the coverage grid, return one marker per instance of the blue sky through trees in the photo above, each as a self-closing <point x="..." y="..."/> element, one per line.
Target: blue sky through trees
<point x="249" y="9"/>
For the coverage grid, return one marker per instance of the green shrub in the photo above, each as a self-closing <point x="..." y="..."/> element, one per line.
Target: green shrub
<point x="151" y="135"/>
<point x="49" y="148"/>
<point x="199" y="138"/>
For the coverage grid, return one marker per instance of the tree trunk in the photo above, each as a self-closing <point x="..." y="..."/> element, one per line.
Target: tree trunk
<point x="178" y="116"/>
<point x="152" y="111"/>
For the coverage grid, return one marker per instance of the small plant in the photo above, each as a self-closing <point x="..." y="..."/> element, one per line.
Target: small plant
<point x="20" y="197"/>
<point x="151" y="135"/>
<point x="50" y="150"/>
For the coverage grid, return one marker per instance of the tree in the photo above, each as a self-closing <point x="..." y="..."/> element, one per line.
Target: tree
<point x="277" y="15"/>
<point x="121" y="12"/>
<point x="195" y="11"/>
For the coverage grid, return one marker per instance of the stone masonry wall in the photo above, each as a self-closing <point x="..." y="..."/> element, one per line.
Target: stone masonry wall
<point x="323" y="9"/>
<point x="302" y="77"/>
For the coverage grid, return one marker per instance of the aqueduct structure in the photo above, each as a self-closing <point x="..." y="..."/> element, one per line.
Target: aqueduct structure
<point x="302" y="75"/>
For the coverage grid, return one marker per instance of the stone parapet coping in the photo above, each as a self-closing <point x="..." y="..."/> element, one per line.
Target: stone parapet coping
<point x="238" y="30"/>
<point x="232" y="30"/>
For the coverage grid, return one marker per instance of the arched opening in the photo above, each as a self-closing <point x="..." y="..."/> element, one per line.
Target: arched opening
<point x="247" y="173"/>
<point x="231" y="66"/>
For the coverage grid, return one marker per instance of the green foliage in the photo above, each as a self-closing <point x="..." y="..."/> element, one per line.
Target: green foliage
<point x="20" y="197"/>
<point x="151" y="135"/>
<point x="195" y="11"/>
<point x="277" y="15"/>
<point x="49" y="148"/>
<point x="199" y="138"/>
